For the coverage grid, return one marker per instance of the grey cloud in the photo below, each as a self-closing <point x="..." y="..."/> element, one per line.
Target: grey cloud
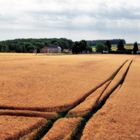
<point x="123" y="13"/>
<point x="101" y="18"/>
<point x="4" y="18"/>
<point x="104" y="19"/>
<point x="111" y="14"/>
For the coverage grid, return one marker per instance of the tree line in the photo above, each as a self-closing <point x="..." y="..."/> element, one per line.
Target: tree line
<point x="101" y="47"/>
<point x="77" y="47"/>
<point x="29" y="45"/>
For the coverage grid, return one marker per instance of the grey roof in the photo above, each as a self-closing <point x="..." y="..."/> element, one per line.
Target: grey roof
<point x="53" y="46"/>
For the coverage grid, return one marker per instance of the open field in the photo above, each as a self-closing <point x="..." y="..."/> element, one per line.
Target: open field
<point x="32" y="83"/>
<point x="69" y="97"/>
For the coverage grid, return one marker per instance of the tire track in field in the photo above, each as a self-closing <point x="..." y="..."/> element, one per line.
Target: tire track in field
<point x="50" y="123"/>
<point x="68" y="107"/>
<point x="80" y="127"/>
<point x="77" y="135"/>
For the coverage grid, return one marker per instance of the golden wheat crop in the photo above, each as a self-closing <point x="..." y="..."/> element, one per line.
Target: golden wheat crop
<point x="14" y="127"/>
<point x="119" y="118"/>
<point x="89" y="103"/>
<point x="33" y="82"/>
<point x="100" y="95"/>
<point x="35" y="88"/>
<point x="29" y="113"/>
<point x="63" y="128"/>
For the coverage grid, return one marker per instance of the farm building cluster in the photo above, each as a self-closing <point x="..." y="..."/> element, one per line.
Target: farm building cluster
<point x="49" y="49"/>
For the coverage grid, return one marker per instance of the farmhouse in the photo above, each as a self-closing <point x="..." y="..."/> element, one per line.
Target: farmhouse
<point x="51" y="49"/>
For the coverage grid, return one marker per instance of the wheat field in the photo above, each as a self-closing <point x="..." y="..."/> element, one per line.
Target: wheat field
<point x="69" y="97"/>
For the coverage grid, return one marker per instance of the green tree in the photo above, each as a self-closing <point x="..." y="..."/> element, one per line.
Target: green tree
<point x="135" y="48"/>
<point x="83" y="46"/>
<point x="108" y="45"/>
<point x="120" y="46"/>
<point x="100" y="48"/>
<point x="76" y="48"/>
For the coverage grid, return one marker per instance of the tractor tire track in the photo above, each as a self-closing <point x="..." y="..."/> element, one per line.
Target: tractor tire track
<point x="81" y="125"/>
<point x="100" y="104"/>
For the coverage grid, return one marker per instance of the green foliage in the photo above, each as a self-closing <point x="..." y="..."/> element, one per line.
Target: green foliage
<point x="120" y="46"/>
<point x="135" y="49"/>
<point x="81" y="47"/>
<point x="108" y="45"/>
<point x="29" y="45"/>
<point x="100" y="48"/>
<point x="76" y="48"/>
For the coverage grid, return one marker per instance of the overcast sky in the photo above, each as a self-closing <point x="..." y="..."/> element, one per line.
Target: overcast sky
<point x="73" y="19"/>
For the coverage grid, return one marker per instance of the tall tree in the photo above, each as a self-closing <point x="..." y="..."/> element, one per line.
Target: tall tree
<point x="120" y="46"/>
<point x="83" y="45"/>
<point x="108" y="45"/>
<point x="135" y="48"/>
<point x="76" y="48"/>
